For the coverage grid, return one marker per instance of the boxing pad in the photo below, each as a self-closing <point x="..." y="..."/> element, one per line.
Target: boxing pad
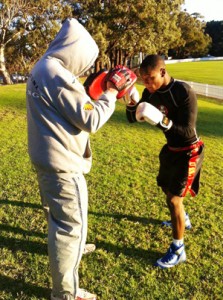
<point x="95" y="84"/>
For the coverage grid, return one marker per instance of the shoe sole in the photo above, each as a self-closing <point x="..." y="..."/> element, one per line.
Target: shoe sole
<point x="170" y="266"/>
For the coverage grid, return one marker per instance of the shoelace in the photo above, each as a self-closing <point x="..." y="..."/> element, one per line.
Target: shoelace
<point x="169" y="256"/>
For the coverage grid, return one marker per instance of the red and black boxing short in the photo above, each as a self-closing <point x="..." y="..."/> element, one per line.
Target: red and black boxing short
<point x="180" y="169"/>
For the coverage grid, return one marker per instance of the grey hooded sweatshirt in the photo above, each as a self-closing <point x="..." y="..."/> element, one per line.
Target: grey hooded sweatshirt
<point x="60" y="114"/>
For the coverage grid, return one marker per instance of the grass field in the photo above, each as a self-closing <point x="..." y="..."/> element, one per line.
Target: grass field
<point x="125" y="212"/>
<point x="200" y="71"/>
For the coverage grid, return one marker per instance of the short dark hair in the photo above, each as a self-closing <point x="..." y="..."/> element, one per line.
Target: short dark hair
<point x="152" y="61"/>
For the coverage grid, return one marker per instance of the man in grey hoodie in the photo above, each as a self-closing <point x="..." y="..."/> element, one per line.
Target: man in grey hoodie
<point x="60" y="117"/>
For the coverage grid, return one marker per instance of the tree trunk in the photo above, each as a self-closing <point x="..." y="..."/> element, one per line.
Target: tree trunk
<point x="3" y="70"/>
<point x="121" y="59"/>
<point x="117" y="57"/>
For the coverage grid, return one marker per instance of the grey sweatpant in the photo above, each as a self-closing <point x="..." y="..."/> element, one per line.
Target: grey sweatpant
<point x="65" y="197"/>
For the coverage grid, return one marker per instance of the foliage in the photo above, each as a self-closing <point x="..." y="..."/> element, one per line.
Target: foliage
<point x="130" y="27"/>
<point x="215" y="31"/>
<point x="26" y="28"/>
<point x="193" y="41"/>
<point x="122" y="29"/>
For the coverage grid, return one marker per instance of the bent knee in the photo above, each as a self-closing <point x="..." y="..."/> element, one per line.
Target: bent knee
<point x="174" y="201"/>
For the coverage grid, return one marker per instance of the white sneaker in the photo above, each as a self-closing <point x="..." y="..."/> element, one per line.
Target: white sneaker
<point x="89" y="248"/>
<point x="81" y="295"/>
<point x="85" y="295"/>
<point x="64" y="297"/>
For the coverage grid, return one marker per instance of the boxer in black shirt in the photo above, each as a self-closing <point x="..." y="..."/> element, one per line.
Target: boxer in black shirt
<point x="171" y="105"/>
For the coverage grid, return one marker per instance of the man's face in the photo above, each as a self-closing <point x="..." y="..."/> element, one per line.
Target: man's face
<point x="153" y="79"/>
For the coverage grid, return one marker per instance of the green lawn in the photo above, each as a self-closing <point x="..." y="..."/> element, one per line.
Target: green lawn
<point x="210" y="72"/>
<point x="125" y="212"/>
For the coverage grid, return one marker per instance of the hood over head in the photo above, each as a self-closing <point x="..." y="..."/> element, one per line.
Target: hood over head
<point x="74" y="47"/>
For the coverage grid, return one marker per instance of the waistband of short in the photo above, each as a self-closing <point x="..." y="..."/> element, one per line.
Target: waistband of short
<point x="186" y="148"/>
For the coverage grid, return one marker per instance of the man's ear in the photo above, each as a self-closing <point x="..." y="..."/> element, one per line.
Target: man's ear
<point x="163" y="72"/>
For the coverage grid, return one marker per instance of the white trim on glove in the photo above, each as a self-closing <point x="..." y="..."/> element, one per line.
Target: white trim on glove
<point x="131" y="98"/>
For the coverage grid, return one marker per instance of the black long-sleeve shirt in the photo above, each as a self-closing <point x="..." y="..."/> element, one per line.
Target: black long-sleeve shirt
<point x="178" y="102"/>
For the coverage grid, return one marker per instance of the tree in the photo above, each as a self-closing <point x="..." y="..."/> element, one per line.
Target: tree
<point x="215" y="30"/>
<point x="26" y="27"/>
<point x="122" y="29"/>
<point x="194" y="42"/>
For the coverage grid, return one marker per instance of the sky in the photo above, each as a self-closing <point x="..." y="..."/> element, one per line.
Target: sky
<point x="209" y="9"/>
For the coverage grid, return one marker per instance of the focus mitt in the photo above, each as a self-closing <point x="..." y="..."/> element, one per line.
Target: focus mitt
<point x="95" y="84"/>
<point x="122" y="78"/>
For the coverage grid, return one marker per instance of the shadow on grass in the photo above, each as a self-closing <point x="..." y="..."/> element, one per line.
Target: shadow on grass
<point x="150" y="256"/>
<point x="20" y="203"/>
<point x="18" y="230"/>
<point x="132" y="218"/>
<point x="15" y="244"/>
<point x="17" y="287"/>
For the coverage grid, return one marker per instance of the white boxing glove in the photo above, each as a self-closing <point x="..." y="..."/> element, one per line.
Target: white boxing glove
<point x="131" y="98"/>
<point x="146" y="112"/>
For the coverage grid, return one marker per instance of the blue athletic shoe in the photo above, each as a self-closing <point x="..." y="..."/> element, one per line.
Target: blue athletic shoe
<point x="187" y="222"/>
<point x="174" y="256"/>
